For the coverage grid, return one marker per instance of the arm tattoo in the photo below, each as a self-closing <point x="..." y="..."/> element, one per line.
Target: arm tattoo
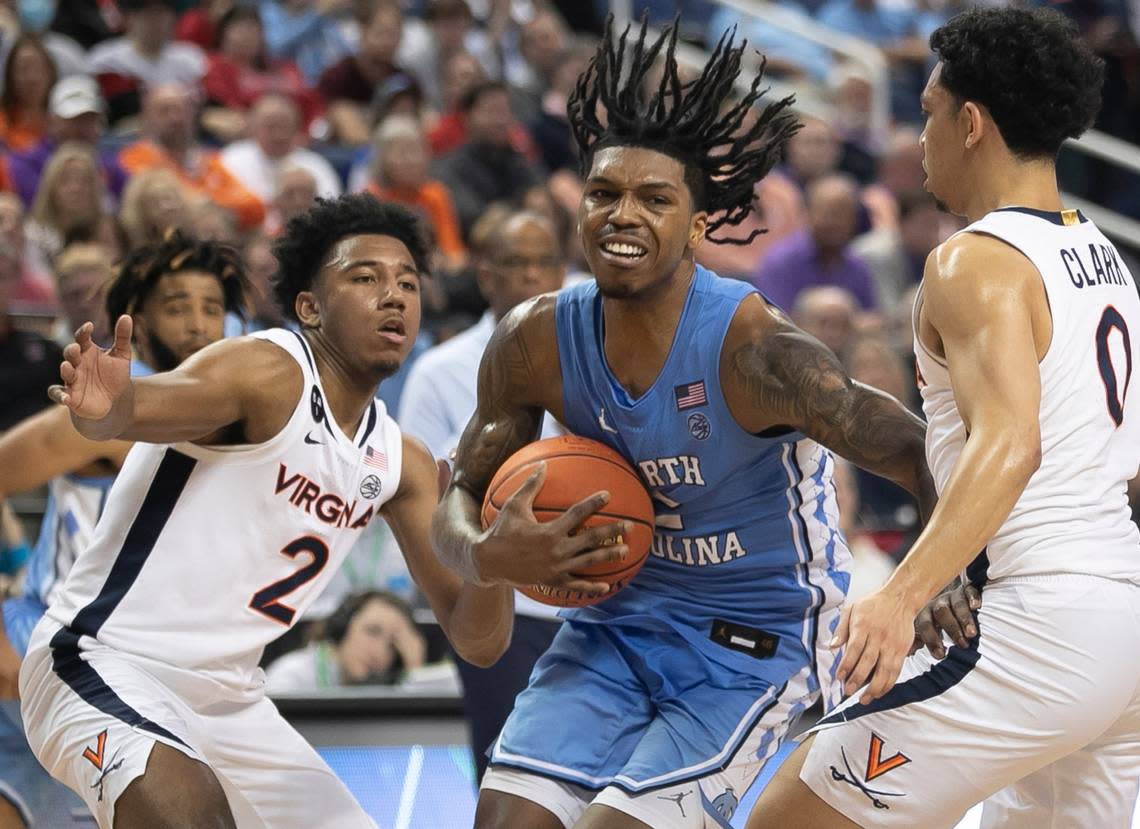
<point x="797" y="381"/>
<point x="502" y="424"/>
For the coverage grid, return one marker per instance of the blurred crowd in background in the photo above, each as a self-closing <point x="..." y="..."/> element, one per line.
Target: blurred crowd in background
<point x="120" y="120"/>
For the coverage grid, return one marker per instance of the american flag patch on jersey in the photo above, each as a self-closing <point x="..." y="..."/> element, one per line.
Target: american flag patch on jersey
<point x="690" y="395"/>
<point x="376" y="459"/>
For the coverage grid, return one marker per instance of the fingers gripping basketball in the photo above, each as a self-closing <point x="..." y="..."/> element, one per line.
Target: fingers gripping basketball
<point x="576" y="468"/>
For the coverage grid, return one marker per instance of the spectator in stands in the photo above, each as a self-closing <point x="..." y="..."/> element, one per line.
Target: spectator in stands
<point x="154" y="202"/>
<point x="897" y="255"/>
<point x="819" y="255"/>
<point x="461" y="73"/>
<point x="145" y="57"/>
<point x="71" y="196"/>
<point x="260" y="269"/>
<point x="200" y="24"/>
<point x="523" y="260"/>
<point x="371" y="639"/>
<point x="400" y="174"/>
<point x="296" y="192"/>
<point x="82" y="271"/>
<point x="29" y="74"/>
<point x="75" y="114"/>
<point x="551" y="128"/>
<point x="29" y="363"/>
<point x="305" y="32"/>
<point x="257" y="162"/>
<point x="240" y="74"/>
<point x="543" y="41"/>
<point x="349" y="85"/>
<point x="486" y="168"/>
<point x="828" y="313"/>
<point x="812" y="152"/>
<point x="169" y="143"/>
<point x="448" y="29"/>
<point x="34" y="288"/>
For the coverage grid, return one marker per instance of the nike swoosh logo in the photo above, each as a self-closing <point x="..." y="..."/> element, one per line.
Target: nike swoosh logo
<point x="309" y="439"/>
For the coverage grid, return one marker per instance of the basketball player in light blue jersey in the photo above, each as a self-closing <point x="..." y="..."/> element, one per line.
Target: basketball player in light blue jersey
<point x="177" y="293"/>
<point x="659" y="706"/>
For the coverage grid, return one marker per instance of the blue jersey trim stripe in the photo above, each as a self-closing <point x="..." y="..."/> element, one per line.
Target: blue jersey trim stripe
<point x="937" y="680"/>
<point x="803" y="544"/>
<point x="165" y="490"/>
<point x="722" y="760"/>
<point x="68" y="663"/>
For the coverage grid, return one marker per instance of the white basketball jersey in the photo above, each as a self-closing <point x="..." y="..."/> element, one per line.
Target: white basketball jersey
<point x="1073" y="516"/>
<point x="204" y="555"/>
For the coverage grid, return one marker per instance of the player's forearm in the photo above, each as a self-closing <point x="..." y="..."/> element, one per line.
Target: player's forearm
<point x="480" y="623"/>
<point x="455" y="532"/>
<point x="987" y="481"/>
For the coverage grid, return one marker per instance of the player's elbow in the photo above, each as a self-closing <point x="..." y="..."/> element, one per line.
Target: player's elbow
<point x="1023" y="454"/>
<point x="486" y="652"/>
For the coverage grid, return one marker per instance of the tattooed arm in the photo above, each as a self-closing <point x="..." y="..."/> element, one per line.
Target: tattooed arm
<point x="519" y="377"/>
<point x="775" y="375"/>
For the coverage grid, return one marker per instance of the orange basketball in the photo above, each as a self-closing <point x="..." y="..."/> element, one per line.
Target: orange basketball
<point x="576" y="468"/>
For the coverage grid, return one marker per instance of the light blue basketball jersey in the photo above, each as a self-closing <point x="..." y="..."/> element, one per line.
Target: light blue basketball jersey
<point x="747" y="526"/>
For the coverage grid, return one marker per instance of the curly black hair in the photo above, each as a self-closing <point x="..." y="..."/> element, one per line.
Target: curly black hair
<point x="1029" y="68"/>
<point x="144" y="266"/>
<point x="683" y="120"/>
<point x="302" y="249"/>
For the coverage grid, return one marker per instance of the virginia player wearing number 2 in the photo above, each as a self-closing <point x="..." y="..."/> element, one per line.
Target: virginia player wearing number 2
<point x="658" y="706"/>
<point x="259" y="461"/>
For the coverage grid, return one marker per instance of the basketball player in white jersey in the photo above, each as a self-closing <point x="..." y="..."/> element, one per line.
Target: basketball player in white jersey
<point x="1027" y="329"/>
<point x="177" y="293"/>
<point x="265" y="457"/>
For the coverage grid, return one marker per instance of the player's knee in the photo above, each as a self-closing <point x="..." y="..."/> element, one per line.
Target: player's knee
<point x="175" y="791"/>
<point x="499" y="810"/>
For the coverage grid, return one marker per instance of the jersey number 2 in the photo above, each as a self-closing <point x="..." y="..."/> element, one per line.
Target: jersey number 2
<point x="266" y="600"/>
<point x="1113" y="394"/>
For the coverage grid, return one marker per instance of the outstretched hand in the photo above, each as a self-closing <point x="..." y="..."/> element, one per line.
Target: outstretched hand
<point x="520" y="550"/>
<point x="93" y="378"/>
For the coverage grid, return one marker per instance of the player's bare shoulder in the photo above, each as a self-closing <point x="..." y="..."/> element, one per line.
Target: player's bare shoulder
<point x="521" y="359"/>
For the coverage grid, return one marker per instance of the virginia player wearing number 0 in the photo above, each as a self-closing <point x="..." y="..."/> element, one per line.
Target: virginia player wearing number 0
<point x="259" y="461"/>
<point x="1026" y="331"/>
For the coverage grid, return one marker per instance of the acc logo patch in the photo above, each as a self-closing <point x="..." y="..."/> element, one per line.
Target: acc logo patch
<point x="370" y="487"/>
<point x="699" y="426"/>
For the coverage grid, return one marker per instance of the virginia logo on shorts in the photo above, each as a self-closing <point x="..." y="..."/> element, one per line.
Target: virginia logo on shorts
<point x="95" y="757"/>
<point x="876" y="767"/>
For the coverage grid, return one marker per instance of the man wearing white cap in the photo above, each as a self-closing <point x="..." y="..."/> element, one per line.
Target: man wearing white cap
<point x="76" y="113"/>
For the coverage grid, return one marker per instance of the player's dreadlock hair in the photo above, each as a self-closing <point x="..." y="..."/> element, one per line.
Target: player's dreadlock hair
<point x="683" y="120"/>
<point x="144" y="266"/>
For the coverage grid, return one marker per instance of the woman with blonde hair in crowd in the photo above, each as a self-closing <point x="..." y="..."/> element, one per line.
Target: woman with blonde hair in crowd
<point x="29" y="75"/>
<point x="71" y="195"/>
<point x="153" y="202"/>
<point x="400" y="174"/>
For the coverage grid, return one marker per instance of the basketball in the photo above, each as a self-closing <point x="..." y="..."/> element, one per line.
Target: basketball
<point x="576" y="468"/>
